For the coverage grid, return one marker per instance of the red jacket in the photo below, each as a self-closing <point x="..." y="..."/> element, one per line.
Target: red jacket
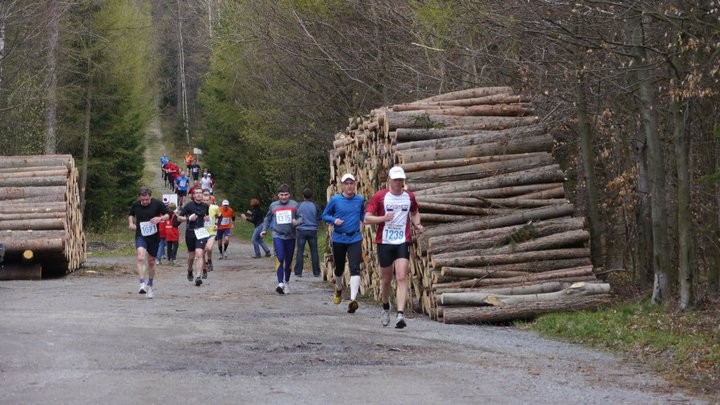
<point x="172" y="233"/>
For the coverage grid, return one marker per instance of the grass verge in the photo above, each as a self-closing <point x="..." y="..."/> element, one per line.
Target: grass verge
<point x="683" y="346"/>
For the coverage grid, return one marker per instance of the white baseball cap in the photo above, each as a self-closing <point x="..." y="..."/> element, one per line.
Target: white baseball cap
<point x="347" y="176"/>
<point x="226" y="202"/>
<point x="396" y="172"/>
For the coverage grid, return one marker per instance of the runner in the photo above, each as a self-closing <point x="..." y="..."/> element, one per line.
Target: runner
<point x="182" y="183"/>
<point x="196" y="236"/>
<point x="211" y="227"/>
<point x="394" y="209"/>
<point x="281" y="219"/>
<point x="145" y="214"/>
<point x="225" y="225"/>
<point x="345" y="211"/>
<point x="189" y="159"/>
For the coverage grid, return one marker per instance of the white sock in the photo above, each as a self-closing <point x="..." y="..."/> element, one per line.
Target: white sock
<point x="354" y="286"/>
<point x="338" y="282"/>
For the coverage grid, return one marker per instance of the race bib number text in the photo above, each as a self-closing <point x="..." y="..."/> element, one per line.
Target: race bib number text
<point x="147" y="228"/>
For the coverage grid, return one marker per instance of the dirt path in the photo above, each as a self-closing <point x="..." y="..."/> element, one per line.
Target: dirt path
<point x="89" y="338"/>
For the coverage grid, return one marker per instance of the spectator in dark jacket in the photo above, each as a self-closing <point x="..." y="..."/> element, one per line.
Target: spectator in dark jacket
<point x="256" y="216"/>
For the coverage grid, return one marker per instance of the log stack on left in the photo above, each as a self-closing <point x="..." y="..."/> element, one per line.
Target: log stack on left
<point x="40" y="217"/>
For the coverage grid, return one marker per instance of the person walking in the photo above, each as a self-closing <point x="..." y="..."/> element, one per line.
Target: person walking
<point x="163" y="241"/>
<point x="307" y="228"/>
<point x="256" y="216"/>
<point x="395" y="211"/>
<point x="211" y="226"/>
<point x="225" y="225"/>
<point x="281" y="219"/>
<point x="172" y="234"/>
<point x="144" y="217"/>
<point x="195" y="213"/>
<point x="345" y="212"/>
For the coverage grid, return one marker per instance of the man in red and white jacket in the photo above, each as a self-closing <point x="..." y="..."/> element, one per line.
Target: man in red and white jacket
<point x="396" y="212"/>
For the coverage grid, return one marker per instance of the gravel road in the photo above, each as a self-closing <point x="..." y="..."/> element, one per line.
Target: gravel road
<point x="90" y="338"/>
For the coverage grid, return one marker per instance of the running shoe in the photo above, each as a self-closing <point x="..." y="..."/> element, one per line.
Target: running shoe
<point x="209" y="266"/>
<point x="190" y="275"/>
<point x="400" y="322"/>
<point x="143" y="288"/>
<point x="352" y="307"/>
<point x="337" y="298"/>
<point x="150" y="292"/>
<point x="280" y="290"/>
<point x="286" y="288"/>
<point x="225" y="256"/>
<point x="204" y="276"/>
<point x="385" y="317"/>
<point x="198" y="282"/>
<point x="267" y="254"/>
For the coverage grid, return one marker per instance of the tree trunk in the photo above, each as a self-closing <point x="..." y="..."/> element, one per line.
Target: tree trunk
<point x="648" y="102"/>
<point x="52" y="67"/>
<point x="682" y="155"/>
<point x="588" y="164"/>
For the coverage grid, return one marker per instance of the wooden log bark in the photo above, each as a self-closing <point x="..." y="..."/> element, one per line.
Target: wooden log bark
<point x="490" y="314"/>
<point x="500" y="299"/>
<point x="11" y="193"/>
<point x="25" y="224"/>
<point x="32" y="208"/>
<point x="544" y="174"/>
<point x="538" y="288"/>
<point x="497" y="110"/>
<point x="565" y="239"/>
<point x="474" y="138"/>
<point x="539" y="143"/>
<point x="37" y="161"/>
<point x="460" y="162"/>
<point x="497" y="237"/>
<point x="520" y="257"/>
<point x="469" y="93"/>
<point x="502" y="98"/>
<point x="576" y="289"/>
<point x="410" y="119"/>
<point x="497" y="192"/>
<point x="517" y="217"/>
<point x="527" y="267"/>
<point x="553" y="275"/>
<point x="419" y="134"/>
<point x="481" y="170"/>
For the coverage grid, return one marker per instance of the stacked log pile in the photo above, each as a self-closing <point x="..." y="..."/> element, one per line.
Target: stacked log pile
<point x="498" y="224"/>
<point x="40" y="217"/>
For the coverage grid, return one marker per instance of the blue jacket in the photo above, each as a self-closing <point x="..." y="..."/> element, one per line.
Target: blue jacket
<point x="352" y="211"/>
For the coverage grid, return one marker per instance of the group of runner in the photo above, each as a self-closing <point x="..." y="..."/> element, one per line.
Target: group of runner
<point x="156" y="224"/>
<point x="183" y="181"/>
<point x="394" y="210"/>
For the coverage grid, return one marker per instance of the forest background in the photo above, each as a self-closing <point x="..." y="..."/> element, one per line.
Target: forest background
<point x="629" y="91"/>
